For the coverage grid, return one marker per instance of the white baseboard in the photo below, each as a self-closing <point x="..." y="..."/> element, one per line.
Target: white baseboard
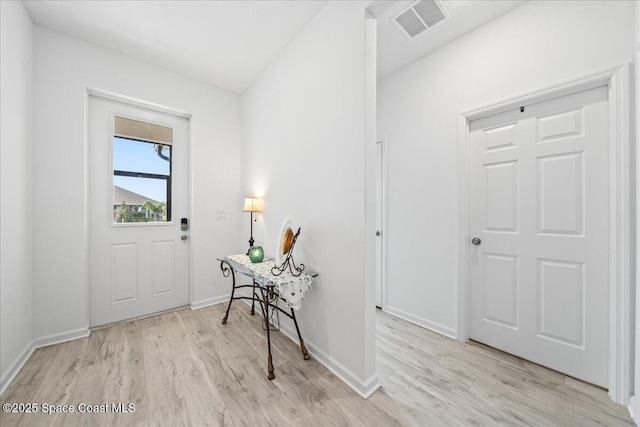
<point x="9" y="375"/>
<point x="364" y="388"/>
<point x="633" y="409"/>
<point x="416" y="320"/>
<point x="61" y="337"/>
<point x="209" y="301"/>
<point x="27" y="351"/>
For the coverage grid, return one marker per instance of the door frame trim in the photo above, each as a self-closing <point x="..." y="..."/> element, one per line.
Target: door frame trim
<point x="138" y="103"/>
<point x="616" y="79"/>
<point x="383" y="224"/>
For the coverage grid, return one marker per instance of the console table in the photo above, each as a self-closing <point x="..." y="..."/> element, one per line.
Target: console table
<point x="266" y="289"/>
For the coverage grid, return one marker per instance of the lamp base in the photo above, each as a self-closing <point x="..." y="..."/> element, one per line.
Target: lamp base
<point x="250" y="235"/>
<point x="251" y="241"/>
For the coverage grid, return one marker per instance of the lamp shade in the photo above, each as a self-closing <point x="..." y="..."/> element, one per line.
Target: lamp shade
<point x="252" y="204"/>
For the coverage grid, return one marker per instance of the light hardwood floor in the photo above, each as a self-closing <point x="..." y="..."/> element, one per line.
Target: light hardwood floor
<point x="185" y="368"/>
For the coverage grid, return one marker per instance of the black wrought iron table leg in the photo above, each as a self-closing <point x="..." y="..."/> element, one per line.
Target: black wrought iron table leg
<point x="305" y="353"/>
<point x="265" y="312"/>
<point x="253" y="300"/>
<point x="225" y="272"/>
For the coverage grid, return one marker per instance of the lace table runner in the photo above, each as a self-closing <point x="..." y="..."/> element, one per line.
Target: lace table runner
<point x="290" y="288"/>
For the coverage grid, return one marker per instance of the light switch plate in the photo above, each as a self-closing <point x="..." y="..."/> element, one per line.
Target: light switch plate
<point x="221" y="215"/>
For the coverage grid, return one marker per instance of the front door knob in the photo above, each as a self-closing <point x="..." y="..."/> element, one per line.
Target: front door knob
<point x="476" y="241"/>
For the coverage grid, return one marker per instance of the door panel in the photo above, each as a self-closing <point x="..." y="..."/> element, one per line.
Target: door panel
<point x="538" y="202"/>
<point x="138" y="192"/>
<point x="502" y="196"/>
<point x="561" y="290"/>
<point x="162" y="256"/>
<point x="560" y="125"/>
<point x="561" y="194"/>
<point x="124" y="272"/>
<point x="501" y="138"/>
<point x="500" y="296"/>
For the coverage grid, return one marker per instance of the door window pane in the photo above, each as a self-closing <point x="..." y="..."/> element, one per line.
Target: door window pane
<point x="138" y="156"/>
<point x="141" y="181"/>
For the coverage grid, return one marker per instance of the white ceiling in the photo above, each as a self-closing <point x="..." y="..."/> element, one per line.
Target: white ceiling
<point x="395" y="50"/>
<point x="229" y="43"/>
<point x="225" y="43"/>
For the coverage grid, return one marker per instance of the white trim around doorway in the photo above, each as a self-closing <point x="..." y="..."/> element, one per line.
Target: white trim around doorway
<point x="620" y="306"/>
<point x="383" y="224"/>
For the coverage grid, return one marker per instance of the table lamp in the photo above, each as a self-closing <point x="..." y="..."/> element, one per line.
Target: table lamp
<point x="252" y="204"/>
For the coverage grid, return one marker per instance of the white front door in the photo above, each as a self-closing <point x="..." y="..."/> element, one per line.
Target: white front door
<point x="139" y="187"/>
<point x="539" y="182"/>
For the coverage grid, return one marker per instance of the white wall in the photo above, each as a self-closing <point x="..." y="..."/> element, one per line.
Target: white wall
<point x="63" y="68"/>
<point x="304" y="151"/>
<point x="16" y="60"/>
<point x="536" y="45"/>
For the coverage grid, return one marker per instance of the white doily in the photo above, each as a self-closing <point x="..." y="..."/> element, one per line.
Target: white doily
<point x="290" y="288"/>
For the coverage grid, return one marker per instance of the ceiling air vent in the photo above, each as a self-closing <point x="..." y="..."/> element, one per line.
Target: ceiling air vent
<point x="419" y="16"/>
